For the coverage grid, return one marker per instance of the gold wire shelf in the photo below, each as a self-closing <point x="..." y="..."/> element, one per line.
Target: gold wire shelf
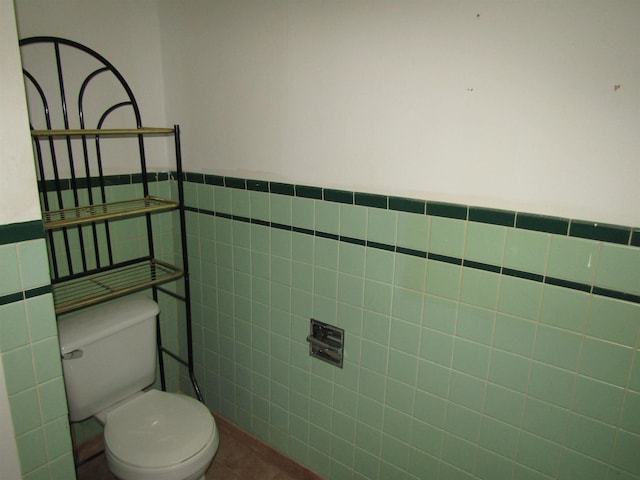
<point x="98" y="287"/>
<point x="69" y="217"/>
<point x="74" y="132"/>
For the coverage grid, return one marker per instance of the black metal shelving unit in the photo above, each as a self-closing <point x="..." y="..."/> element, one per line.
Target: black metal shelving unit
<point x="70" y="160"/>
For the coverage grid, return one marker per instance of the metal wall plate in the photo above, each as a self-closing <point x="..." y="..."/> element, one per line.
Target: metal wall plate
<point x="326" y="342"/>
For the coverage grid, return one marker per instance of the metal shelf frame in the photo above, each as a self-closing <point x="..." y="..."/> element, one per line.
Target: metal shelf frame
<point x="115" y="281"/>
<point x="70" y="217"/>
<point x="79" y="221"/>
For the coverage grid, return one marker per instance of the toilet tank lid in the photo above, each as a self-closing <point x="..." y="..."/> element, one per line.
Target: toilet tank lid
<point x="86" y="326"/>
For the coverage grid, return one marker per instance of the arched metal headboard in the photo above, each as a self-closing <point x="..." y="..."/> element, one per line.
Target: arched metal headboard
<point x="63" y="167"/>
<point x="106" y="67"/>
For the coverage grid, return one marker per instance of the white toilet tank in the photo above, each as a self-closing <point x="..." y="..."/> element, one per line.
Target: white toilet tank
<point x="108" y="353"/>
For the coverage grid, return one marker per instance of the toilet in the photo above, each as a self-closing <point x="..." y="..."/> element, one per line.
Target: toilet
<point x="109" y="360"/>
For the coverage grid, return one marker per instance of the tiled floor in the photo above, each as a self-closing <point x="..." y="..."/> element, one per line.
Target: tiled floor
<point x="239" y="457"/>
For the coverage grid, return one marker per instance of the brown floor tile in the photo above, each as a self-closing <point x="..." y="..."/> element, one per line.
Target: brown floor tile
<point x="96" y="469"/>
<point x="283" y="476"/>
<point x="218" y="471"/>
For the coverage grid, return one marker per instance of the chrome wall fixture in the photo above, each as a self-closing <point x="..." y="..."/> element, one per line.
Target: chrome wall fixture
<point x="326" y="342"/>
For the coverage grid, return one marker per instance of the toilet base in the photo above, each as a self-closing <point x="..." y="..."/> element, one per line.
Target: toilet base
<point x="180" y="472"/>
<point x="201" y="478"/>
<point x="155" y="475"/>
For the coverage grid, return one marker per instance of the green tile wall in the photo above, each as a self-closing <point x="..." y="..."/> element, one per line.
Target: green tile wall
<point x="480" y="344"/>
<point x="30" y="355"/>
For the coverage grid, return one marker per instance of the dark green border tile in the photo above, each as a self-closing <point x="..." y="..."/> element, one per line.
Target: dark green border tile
<point x="264" y="223"/>
<point x="412" y="252"/>
<point x="36" y="292"/>
<point x="282" y="188"/>
<point x="216" y="180"/>
<point x="21" y="232"/>
<point x="408" y="205"/>
<point x="51" y="185"/>
<point x="605" y="292"/>
<point x="635" y="238"/>
<point x="257" y="185"/>
<point x="305" y="231"/>
<point x="233" y="182"/>
<point x="339" y="196"/>
<point x="82" y="183"/>
<point x="95" y="181"/>
<point x="194" y="177"/>
<point x="492" y="216"/>
<point x="309" y="192"/>
<point x="160" y="176"/>
<point x="481" y="266"/>
<point x="448" y="210"/>
<point x="113" y="180"/>
<point x="596" y="231"/>
<point x="282" y="226"/>
<point x="521" y="274"/>
<point x="558" y="282"/>
<point x="354" y="241"/>
<point x="330" y="236"/>
<point x="371" y="200"/>
<point x="444" y="258"/>
<point x="381" y="246"/>
<point x="138" y="178"/>
<point x="542" y="223"/>
<point x="12" y="297"/>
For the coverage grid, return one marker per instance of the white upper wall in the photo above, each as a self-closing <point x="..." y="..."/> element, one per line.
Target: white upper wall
<point x="503" y="104"/>
<point x="530" y="106"/>
<point x="18" y="195"/>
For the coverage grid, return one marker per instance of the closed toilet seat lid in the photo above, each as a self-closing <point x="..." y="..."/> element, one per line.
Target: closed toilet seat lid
<point x="158" y="429"/>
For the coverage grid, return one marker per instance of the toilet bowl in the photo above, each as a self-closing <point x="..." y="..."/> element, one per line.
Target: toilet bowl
<point x="160" y="436"/>
<point x="109" y="362"/>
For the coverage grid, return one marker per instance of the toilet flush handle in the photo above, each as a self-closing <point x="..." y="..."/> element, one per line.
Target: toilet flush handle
<point x="71" y="355"/>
